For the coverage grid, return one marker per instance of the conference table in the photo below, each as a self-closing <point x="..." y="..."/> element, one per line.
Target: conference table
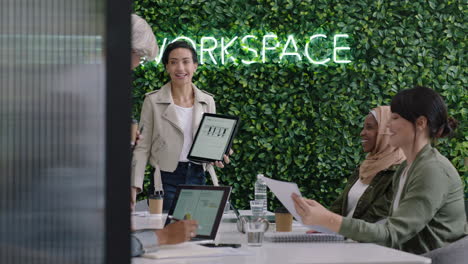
<point x="283" y="253"/>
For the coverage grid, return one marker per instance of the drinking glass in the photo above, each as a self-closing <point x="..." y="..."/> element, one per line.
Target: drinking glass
<point x="255" y="229"/>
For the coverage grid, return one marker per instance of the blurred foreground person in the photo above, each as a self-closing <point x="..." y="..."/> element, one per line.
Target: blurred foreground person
<point x="144" y="47"/>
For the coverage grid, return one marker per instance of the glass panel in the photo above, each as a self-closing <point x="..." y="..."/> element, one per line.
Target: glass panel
<point x="52" y="134"/>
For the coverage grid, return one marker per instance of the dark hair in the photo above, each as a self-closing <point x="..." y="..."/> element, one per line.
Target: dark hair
<point x="176" y="45"/>
<point x="422" y="101"/>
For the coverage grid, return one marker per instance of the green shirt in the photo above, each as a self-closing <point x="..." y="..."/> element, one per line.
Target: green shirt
<point x="431" y="212"/>
<point x="374" y="203"/>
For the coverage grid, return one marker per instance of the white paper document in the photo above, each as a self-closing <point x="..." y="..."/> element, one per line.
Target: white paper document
<point x="283" y="191"/>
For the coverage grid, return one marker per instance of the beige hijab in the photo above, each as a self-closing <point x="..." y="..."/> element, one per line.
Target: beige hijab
<point x="383" y="155"/>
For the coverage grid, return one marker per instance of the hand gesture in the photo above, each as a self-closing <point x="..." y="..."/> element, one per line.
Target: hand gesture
<point x="177" y="232"/>
<point x="313" y="213"/>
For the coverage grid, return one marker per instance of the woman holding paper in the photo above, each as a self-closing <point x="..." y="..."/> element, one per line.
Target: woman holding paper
<point x="368" y="193"/>
<point x="427" y="210"/>
<point x="170" y="117"/>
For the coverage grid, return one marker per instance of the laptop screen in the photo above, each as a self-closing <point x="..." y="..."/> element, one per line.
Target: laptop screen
<point x="205" y="204"/>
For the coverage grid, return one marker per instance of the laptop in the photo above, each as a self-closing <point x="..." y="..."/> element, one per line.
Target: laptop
<point x="202" y="203"/>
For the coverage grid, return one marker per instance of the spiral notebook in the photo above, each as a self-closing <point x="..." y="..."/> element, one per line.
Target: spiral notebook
<point x="284" y="237"/>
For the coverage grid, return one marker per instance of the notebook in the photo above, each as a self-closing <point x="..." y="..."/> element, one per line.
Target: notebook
<point x="284" y="237"/>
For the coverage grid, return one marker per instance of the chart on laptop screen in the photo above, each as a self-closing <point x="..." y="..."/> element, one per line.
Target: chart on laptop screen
<point x="202" y="205"/>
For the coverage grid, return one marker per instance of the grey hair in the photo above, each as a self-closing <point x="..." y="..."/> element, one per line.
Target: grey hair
<point x="143" y="39"/>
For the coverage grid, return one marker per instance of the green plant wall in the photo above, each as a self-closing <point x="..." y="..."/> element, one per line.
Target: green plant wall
<point x="301" y="121"/>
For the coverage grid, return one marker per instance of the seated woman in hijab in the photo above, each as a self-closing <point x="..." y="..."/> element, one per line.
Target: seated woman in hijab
<point x="368" y="193"/>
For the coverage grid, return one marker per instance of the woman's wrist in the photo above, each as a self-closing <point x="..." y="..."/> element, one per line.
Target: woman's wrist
<point x="162" y="236"/>
<point x="332" y="221"/>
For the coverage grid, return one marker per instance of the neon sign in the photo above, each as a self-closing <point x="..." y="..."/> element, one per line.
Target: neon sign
<point x="212" y="50"/>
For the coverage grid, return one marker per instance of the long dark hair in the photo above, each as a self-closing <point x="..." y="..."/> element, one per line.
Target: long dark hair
<point x="422" y="101"/>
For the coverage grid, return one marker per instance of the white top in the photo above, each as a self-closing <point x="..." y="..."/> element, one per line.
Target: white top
<point x="354" y="195"/>
<point x="185" y="116"/>
<point x="403" y="177"/>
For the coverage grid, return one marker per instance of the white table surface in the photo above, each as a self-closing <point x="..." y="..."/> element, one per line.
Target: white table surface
<point x="298" y="253"/>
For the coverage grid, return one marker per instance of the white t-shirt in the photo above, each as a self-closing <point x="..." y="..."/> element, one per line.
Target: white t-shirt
<point x="185" y="115"/>
<point x="354" y="195"/>
<point x="403" y="177"/>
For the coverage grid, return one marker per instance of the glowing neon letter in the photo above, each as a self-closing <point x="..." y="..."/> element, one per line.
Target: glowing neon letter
<point x="225" y="51"/>
<point x="295" y="53"/>
<point x="307" y="49"/>
<point x="209" y="50"/>
<point x="185" y="38"/>
<point x="161" y="49"/>
<point x="264" y="48"/>
<point x="336" y="49"/>
<point x="244" y="39"/>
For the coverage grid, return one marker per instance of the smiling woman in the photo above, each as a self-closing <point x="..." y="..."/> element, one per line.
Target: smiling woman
<point x="369" y="132"/>
<point x="181" y="66"/>
<point x="170" y="117"/>
<point x="368" y="193"/>
<point x="427" y="211"/>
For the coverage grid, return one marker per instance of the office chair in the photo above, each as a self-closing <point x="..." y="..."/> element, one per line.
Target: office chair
<point x="454" y="253"/>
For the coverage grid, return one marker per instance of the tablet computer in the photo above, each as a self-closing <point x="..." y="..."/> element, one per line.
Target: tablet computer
<point x="202" y="203"/>
<point x="213" y="138"/>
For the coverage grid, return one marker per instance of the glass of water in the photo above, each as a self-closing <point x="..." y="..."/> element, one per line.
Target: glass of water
<point x="255" y="229"/>
<point x="256" y="207"/>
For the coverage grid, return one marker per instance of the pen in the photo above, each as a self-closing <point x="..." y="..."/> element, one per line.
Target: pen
<point x="174" y="218"/>
<point x="186" y="217"/>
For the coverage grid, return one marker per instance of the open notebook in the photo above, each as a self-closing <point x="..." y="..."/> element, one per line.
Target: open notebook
<point x="294" y="237"/>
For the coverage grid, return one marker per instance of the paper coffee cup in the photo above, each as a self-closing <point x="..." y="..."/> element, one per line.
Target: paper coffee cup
<point x="283" y="220"/>
<point x="155" y="204"/>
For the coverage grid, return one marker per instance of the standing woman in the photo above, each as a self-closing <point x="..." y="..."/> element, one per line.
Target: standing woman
<point x="369" y="192"/>
<point x="170" y="118"/>
<point x="427" y="210"/>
